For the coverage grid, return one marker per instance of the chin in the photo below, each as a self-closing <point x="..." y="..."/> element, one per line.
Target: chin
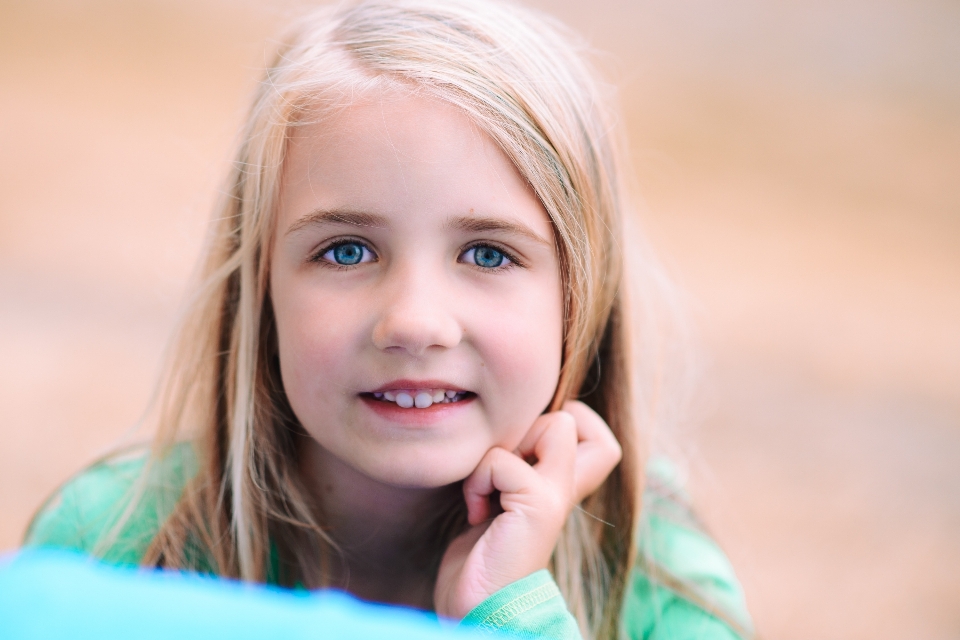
<point x="422" y="474"/>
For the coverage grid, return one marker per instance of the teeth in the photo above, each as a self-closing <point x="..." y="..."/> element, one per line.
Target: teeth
<point x="419" y="398"/>
<point x="423" y="400"/>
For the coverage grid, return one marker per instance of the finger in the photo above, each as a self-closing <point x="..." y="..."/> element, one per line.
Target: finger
<point x="556" y="449"/>
<point x="499" y="470"/>
<point x="598" y="451"/>
<point x="462" y="544"/>
<point x="528" y="445"/>
<point x="529" y="442"/>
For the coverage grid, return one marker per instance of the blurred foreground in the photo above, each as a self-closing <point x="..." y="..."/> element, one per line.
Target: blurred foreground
<point x="99" y="602"/>
<point x="799" y="167"/>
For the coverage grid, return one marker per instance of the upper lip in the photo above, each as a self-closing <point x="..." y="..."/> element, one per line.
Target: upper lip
<point x="397" y="385"/>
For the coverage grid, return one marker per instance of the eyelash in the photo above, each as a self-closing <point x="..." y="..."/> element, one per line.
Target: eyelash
<point x="509" y="255"/>
<point x="323" y="250"/>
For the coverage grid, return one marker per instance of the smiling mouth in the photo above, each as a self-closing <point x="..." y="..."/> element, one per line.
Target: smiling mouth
<point x="419" y="398"/>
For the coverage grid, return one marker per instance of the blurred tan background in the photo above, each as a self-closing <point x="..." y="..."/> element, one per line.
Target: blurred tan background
<point x="800" y="163"/>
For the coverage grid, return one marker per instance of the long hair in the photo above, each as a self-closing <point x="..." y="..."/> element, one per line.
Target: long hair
<point x="522" y="78"/>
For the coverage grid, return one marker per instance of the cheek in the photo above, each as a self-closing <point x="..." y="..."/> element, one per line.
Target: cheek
<point x="314" y="338"/>
<point x="522" y="351"/>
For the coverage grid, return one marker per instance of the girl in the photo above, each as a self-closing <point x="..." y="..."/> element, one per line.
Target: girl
<point x="408" y="371"/>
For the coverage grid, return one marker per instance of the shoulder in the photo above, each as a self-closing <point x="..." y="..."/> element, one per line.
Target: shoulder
<point x="682" y="584"/>
<point x="114" y="508"/>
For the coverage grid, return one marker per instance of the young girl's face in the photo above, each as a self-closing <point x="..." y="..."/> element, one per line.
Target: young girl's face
<point x="416" y="288"/>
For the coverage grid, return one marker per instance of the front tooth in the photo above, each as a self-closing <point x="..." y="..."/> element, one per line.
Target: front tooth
<point x="450" y="394"/>
<point x="390" y="395"/>
<point x="423" y="400"/>
<point x="404" y="400"/>
<point x="438" y="395"/>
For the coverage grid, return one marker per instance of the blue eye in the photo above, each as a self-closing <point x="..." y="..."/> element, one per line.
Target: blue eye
<point x="486" y="257"/>
<point x="348" y="254"/>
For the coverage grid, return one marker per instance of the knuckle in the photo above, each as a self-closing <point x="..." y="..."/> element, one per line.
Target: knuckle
<point x="564" y="421"/>
<point x="502" y="459"/>
<point x="615" y="450"/>
<point x="575" y="405"/>
<point x="495" y="454"/>
<point x="555" y="502"/>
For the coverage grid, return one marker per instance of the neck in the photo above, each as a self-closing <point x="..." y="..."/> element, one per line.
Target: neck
<point x="387" y="534"/>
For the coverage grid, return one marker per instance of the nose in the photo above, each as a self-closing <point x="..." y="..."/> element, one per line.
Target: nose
<point x="417" y="315"/>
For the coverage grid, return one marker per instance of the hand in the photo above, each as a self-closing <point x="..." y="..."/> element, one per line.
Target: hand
<point x="574" y="452"/>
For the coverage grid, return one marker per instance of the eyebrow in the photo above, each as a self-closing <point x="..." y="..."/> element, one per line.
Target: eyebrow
<point x="338" y="216"/>
<point x="356" y="218"/>
<point x="480" y="225"/>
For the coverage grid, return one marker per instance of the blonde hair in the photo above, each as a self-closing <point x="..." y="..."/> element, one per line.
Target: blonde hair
<point x="520" y="77"/>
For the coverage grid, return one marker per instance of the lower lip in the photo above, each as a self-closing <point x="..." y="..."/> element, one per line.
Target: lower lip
<point x="413" y="416"/>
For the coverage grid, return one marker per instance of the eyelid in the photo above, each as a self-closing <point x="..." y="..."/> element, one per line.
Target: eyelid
<point x="508" y="254"/>
<point x="317" y="254"/>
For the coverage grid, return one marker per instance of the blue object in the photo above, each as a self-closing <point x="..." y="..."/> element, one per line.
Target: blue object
<point x="55" y="594"/>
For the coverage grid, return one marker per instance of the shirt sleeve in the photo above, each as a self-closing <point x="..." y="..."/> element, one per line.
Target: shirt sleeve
<point x="671" y="617"/>
<point x="89" y="514"/>
<point x="531" y="607"/>
<point x="683" y="586"/>
<point x="82" y="512"/>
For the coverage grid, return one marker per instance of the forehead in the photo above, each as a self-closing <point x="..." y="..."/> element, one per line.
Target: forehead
<point x="398" y="154"/>
<point x="421" y="129"/>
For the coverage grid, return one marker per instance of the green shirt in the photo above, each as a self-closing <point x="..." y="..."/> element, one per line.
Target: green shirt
<point x="673" y="550"/>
